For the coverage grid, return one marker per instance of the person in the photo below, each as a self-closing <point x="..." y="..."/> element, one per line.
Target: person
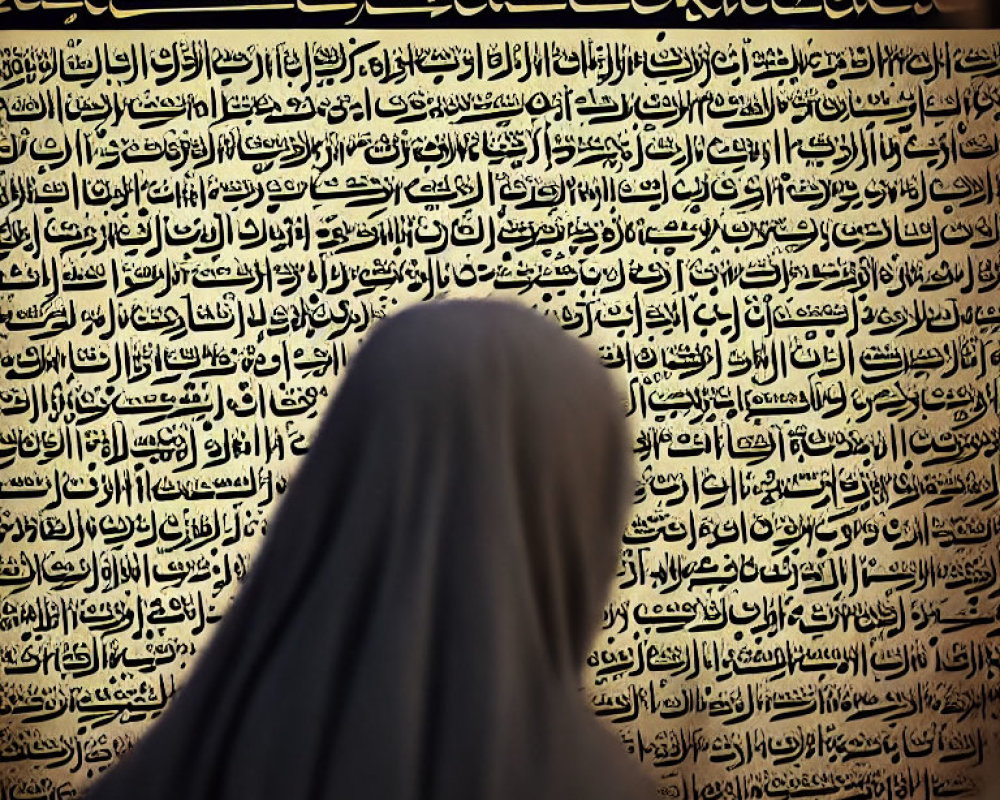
<point x="416" y="622"/>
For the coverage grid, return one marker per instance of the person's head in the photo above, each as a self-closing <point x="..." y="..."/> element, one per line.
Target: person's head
<point x="513" y="425"/>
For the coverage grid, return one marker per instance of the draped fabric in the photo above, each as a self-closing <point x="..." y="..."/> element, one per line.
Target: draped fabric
<point x="415" y="623"/>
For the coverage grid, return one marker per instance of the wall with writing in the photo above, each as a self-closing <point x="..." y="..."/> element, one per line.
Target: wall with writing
<point x="785" y="249"/>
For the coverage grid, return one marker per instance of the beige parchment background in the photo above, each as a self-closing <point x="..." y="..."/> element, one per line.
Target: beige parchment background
<point x="807" y="600"/>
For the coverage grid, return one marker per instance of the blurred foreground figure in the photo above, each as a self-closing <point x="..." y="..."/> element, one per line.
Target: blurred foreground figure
<point x="415" y="623"/>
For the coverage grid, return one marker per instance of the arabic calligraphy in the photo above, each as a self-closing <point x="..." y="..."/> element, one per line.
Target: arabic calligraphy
<point x="785" y="253"/>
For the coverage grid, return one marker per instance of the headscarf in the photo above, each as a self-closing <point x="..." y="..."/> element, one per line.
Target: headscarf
<point x="415" y="624"/>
